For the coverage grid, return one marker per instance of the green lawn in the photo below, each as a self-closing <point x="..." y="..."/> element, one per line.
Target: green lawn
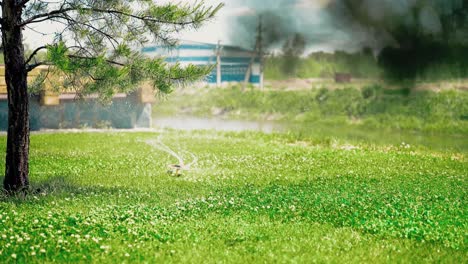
<point x="251" y="197"/>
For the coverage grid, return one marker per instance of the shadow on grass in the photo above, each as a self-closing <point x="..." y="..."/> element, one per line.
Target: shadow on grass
<point x="57" y="186"/>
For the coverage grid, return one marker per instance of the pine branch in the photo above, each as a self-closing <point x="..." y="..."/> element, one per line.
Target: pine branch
<point x="203" y="16"/>
<point x="31" y="67"/>
<point x="34" y="54"/>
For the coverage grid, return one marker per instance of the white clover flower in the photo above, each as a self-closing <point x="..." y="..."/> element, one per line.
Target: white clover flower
<point x="13" y="255"/>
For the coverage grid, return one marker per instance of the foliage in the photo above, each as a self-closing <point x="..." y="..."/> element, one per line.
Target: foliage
<point x="403" y="24"/>
<point x="98" y="49"/>
<point x="293" y="48"/>
<point x="426" y="61"/>
<point x="360" y="64"/>
<point x="251" y="197"/>
<point x="97" y="75"/>
<point x="430" y="61"/>
<point x="370" y="107"/>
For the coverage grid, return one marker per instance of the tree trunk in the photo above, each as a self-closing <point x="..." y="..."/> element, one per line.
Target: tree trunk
<point x="17" y="163"/>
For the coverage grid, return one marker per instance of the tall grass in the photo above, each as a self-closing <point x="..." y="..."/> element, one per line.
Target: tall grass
<point x="371" y="106"/>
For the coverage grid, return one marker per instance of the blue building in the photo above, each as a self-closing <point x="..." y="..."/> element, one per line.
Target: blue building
<point x="234" y="65"/>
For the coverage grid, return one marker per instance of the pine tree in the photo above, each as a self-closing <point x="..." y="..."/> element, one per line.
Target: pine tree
<point x="96" y="51"/>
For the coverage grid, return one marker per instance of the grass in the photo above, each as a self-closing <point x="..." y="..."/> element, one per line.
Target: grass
<point x="252" y="197"/>
<point x="323" y="65"/>
<point x="369" y="107"/>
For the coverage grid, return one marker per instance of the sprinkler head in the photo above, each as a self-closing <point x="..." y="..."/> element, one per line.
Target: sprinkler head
<point x="175" y="170"/>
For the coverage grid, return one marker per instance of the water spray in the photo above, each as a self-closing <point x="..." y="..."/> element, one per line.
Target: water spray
<point x="176" y="169"/>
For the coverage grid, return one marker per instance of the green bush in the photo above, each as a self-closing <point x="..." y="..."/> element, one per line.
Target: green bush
<point x="363" y="64"/>
<point x="445" y="111"/>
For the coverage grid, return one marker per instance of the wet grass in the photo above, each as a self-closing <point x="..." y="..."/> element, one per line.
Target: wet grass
<point x="251" y="197"/>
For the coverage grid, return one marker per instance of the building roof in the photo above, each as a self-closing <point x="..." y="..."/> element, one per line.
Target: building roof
<point x="192" y="45"/>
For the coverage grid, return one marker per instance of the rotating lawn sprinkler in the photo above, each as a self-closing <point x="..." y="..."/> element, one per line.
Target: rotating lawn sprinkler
<point x="174" y="170"/>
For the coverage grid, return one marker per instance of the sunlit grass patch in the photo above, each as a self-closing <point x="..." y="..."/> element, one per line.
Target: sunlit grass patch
<point x="107" y="197"/>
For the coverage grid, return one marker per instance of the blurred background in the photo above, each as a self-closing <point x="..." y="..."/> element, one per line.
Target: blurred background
<point x="375" y="71"/>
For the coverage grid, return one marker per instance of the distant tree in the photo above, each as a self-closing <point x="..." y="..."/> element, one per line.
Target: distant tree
<point x="96" y="51"/>
<point x="367" y="52"/>
<point x="413" y="36"/>
<point x="293" y="48"/>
